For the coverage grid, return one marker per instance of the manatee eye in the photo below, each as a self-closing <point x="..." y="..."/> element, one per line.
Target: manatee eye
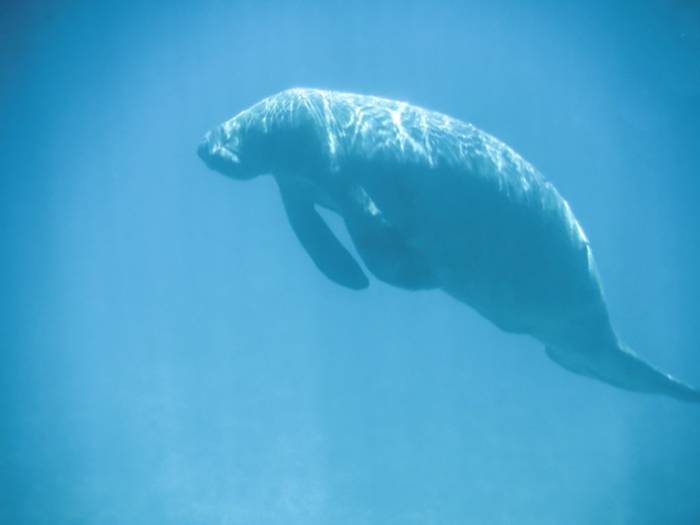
<point x="233" y="143"/>
<point x="230" y="154"/>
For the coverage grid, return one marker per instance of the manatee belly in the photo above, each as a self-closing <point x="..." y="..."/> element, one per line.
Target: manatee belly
<point x="519" y="260"/>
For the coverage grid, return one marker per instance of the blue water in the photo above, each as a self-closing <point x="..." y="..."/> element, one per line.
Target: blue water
<point x="170" y="354"/>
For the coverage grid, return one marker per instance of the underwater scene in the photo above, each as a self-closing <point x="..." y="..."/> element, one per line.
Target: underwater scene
<point x="363" y="262"/>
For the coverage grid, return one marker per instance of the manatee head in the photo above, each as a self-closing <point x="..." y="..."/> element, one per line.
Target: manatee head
<point x="279" y="134"/>
<point x="238" y="148"/>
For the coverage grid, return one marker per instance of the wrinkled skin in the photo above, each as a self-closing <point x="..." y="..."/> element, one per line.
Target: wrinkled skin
<point x="432" y="202"/>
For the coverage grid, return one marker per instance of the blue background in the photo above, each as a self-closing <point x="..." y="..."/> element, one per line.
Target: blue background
<point x="171" y="355"/>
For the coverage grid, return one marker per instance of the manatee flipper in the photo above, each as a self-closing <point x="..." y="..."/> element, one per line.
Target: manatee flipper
<point x="326" y="251"/>
<point x="621" y="367"/>
<point x="383" y="247"/>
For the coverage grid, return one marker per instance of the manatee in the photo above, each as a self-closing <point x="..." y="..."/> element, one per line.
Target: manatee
<point x="433" y="202"/>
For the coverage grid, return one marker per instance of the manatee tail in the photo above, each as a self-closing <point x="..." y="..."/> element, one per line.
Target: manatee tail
<point x="621" y="367"/>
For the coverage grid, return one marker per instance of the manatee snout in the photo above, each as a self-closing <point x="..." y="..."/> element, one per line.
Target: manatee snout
<point x="203" y="148"/>
<point x="206" y="148"/>
<point x="218" y="155"/>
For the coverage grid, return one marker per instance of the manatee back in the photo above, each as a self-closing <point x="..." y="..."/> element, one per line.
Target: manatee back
<point x="500" y="235"/>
